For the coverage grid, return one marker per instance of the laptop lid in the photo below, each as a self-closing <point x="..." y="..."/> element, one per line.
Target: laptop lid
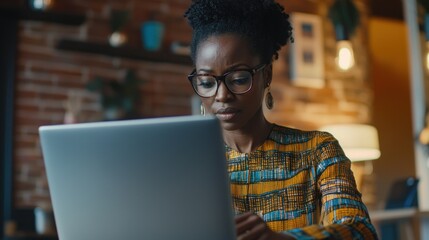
<point x="162" y="178"/>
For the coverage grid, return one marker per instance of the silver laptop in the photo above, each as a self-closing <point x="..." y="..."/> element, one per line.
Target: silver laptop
<point x="154" y="179"/>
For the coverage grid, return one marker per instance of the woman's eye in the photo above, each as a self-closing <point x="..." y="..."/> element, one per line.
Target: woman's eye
<point x="206" y="83"/>
<point x="240" y="80"/>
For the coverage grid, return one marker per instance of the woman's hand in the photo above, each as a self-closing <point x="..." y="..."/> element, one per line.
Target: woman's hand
<point x="250" y="226"/>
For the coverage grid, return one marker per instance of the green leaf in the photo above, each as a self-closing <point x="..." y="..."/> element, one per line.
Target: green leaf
<point x="95" y="85"/>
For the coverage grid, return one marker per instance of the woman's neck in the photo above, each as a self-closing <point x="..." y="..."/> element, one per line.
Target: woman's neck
<point x="250" y="137"/>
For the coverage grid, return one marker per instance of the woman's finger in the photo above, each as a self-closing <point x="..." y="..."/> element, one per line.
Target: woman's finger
<point x="248" y="224"/>
<point x="242" y="217"/>
<point x="256" y="233"/>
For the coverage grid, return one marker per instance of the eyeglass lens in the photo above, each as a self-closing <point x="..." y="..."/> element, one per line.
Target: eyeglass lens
<point x="237" y="82"/>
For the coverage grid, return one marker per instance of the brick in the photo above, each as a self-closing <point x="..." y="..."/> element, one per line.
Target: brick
<point x="34" y="27"/>
<point x="24" y="186"/>
<point x="35" y="49"/>
<point x="99" y="27"/>
<point x="22" y="198"/>
<point x="84" y="60"/>
<point x="30" y="128"/>
<point x="31" y="39"/>
<point x="56" y="68"/>
<point x="24" y="56"/>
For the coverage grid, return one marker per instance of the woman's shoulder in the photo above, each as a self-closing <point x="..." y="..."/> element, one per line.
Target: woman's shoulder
<point x="289" y="135"/>
<point x="315" y="146"/>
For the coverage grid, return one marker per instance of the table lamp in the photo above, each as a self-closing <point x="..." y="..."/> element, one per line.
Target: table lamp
<point x="359" y="142"/>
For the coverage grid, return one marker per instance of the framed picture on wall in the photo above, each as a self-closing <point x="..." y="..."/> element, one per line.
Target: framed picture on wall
<point x="306" y="56"/>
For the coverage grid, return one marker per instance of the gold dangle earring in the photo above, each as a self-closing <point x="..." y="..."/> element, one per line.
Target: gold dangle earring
<point x="269" y="101"/>
<point x="203" y="110"/>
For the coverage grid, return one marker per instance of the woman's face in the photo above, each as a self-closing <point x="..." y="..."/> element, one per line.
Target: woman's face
<point x="224" y="53"/>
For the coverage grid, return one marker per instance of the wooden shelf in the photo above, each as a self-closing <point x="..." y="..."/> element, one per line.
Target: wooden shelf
<point x="54" y="17"/>
<point x="72" y="19"/>
<point x="123" y="52"/>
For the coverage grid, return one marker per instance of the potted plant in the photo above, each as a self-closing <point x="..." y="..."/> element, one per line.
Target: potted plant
<point x="118" y="98"/>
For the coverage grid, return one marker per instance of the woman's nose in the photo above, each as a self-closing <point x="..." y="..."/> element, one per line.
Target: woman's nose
<point x="223" y="94"/>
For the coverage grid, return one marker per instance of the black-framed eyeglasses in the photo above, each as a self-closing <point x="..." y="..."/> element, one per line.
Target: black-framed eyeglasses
<point x="238" y="81"/>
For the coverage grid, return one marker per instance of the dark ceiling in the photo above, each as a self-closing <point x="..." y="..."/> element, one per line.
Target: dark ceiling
<point x="387" y="8"/>
<point x="379" y="8"/>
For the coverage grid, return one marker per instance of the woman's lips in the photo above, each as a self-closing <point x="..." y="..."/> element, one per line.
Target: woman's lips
<point x="226" y="114"/>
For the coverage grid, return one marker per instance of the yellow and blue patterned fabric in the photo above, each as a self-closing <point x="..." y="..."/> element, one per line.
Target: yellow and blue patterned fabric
<point x="300" y="183"/>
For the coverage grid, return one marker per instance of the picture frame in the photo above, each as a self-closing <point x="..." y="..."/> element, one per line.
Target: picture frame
<point x="306" y="56"/>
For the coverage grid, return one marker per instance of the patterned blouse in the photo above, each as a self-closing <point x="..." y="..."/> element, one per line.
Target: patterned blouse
<point x="300" y="183"/>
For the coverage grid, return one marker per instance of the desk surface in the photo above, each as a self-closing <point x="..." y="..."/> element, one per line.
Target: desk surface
<point x="397" y="214"/>
<point x="393" y="214"/>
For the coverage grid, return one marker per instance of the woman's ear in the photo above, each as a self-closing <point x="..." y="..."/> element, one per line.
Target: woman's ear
<point x="268" y="74"/>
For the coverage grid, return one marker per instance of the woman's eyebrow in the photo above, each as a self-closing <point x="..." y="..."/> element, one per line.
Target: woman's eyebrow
<point x="228" y="69"/>
<point x="239" y="65"/>
<point x="203" y="70"/>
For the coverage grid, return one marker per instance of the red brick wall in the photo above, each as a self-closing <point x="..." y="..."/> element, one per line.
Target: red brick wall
<point x="45" y="77"/>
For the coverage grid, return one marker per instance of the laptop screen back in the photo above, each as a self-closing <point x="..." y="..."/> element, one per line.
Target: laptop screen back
<point x="162" y="178"/>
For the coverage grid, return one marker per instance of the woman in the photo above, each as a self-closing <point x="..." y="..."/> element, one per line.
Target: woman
<point x="285" y="183"/>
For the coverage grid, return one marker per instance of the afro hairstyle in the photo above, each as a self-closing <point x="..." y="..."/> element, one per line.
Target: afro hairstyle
<point x="263" y="23"/>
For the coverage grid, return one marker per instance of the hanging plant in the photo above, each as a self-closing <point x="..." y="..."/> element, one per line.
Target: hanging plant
<point x="345" y="16"/>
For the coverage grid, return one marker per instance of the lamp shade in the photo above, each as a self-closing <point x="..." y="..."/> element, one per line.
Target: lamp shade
<point x="359" y="141"/>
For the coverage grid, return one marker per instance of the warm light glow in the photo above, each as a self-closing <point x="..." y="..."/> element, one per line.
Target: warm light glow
<point x="345" y="59"/>
<point x="42" y="4"/>
<point x="359" y="141"/>
<point x="427" y="56"/>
